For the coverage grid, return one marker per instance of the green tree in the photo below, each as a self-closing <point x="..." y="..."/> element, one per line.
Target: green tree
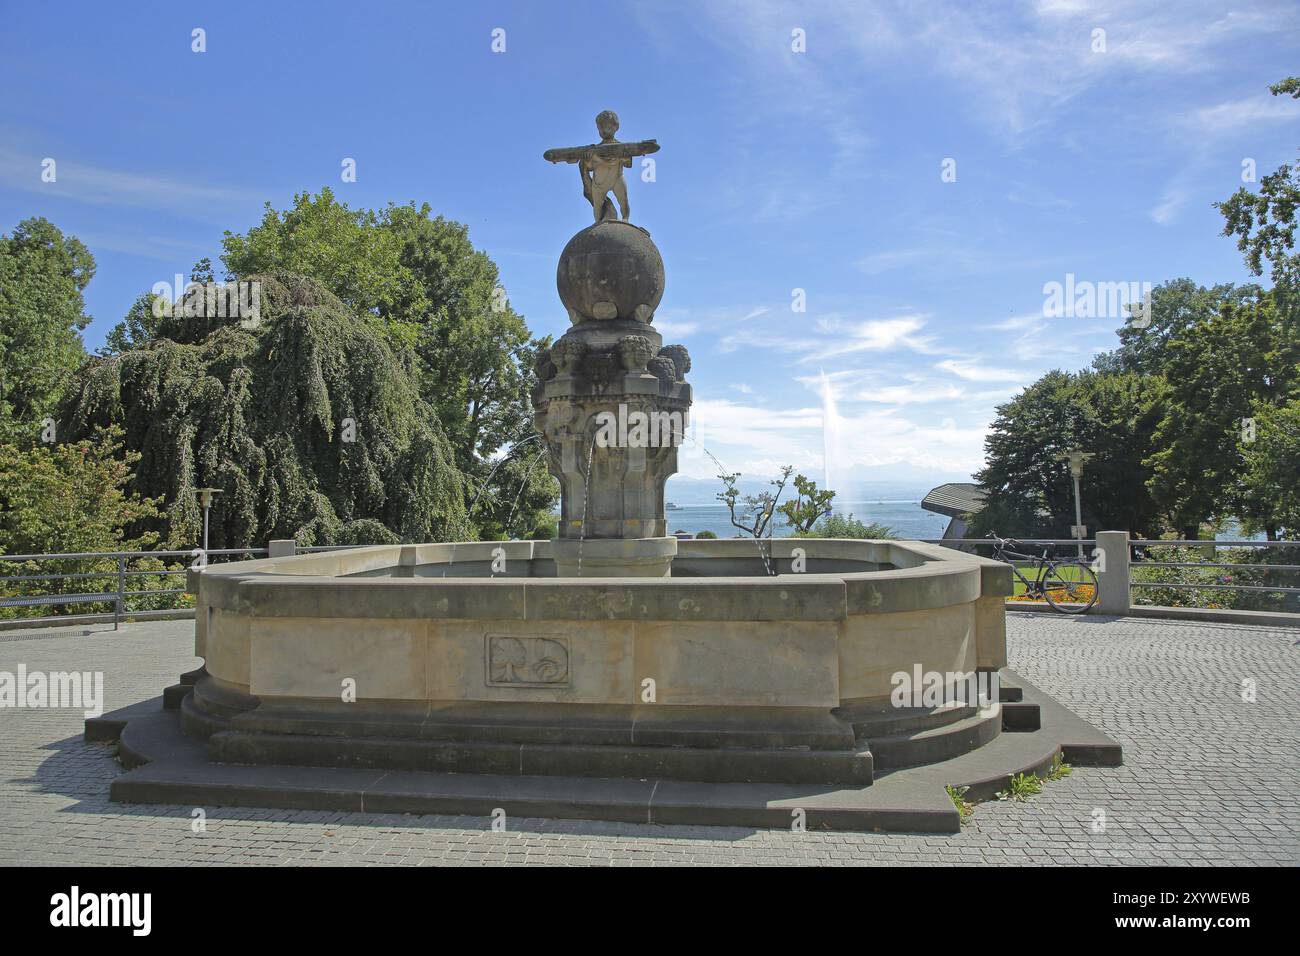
<point x="1174" y="307"/>
<point x="1220" y="372"/>
<point x="136" y="330"/>
<point x="144" y="320"/>
<point x="753" y="514"/>
<point x="70" y="497"/>
<point x="809" y="507"/>
<point x="1271" y="471"/>
<point x="1264" y="222"/>
<point x="309" y="420"/>
<point x="42" y="313"/>
<point x="420" y="280"/>
<point x="1028" y="488"/>
<point x="346" y="250"/>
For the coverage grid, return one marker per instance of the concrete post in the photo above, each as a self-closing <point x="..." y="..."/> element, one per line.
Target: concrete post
<point x="282" y="548"/>
<point x="1111" y="565"/>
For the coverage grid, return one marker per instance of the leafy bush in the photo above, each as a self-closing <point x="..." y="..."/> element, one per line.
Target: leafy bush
<point x="1217" y="597"/>
<point x="67" y="498"/>
<point x="847" y="526"/>
<point x="366" y="531"/>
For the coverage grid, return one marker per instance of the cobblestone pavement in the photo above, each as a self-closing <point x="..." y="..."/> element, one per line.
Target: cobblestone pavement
<point x="1208" y="778"/>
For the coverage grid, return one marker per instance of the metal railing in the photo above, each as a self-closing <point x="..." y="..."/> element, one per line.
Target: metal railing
<point x="120" y="596"/>
<point x="1049" y="543"/>
<point x="1111" y="555"/>
<point x="1211" y="546"/>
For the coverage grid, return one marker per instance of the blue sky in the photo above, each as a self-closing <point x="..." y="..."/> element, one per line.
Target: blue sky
<point x="780" y="170"/>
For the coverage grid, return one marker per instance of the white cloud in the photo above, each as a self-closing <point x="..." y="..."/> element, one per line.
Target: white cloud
<point x="872" y="335"/>
<point x="1174" y="198"/>
<point x="833" y="336"/>
<point x="98" y="185"/>
<point x="884" y="387"/>
<point x="915" y="394"/>
<point x="756" y="441"/>
<point x="1016" y="323"/>
<point x="1016" y="66"/>
<point x="972" y="371"/>
<point x="1234" y="115"/>
<point x="164" y="248"/>
<point x="876" y="263"/>
<point x="676" y="330"/>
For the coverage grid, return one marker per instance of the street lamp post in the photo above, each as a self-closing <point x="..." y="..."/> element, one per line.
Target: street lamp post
<point x="1076" y="458"/>
<point x="205" y="499"/>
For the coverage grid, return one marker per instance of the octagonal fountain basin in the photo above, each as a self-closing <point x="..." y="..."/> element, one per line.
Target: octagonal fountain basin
<point x="483" y="662"/>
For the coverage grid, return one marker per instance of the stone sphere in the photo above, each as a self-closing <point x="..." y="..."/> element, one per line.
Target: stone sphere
<point x="610" y="270"/>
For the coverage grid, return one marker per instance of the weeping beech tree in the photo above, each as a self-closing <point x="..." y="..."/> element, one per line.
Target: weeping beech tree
<point x="308" y="420"/>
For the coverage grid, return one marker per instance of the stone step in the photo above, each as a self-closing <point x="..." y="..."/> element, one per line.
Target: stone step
<point x="847" y="767"/>
<point x="1021" y="717"/>
<point x="775" y="728"/>
<point x="198" y="723"/>
<point x="1082" y="744"/>
<point x="919" y="747"/>
<point x="180" y="774"/>
<point x="988" y="770"/>
<point x="173" y="695"/>
<point x="168" y="767"/>
<point x="1009" y="692"/>
<point x="107" y="728"/>
<point x="902" y="720"/>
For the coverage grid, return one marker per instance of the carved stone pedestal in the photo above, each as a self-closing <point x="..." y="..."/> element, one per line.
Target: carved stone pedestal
<point x="612" y="406"/>
<point x="614" y="557"/>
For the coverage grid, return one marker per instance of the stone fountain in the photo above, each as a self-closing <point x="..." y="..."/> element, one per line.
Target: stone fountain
<point x="612" y="673"/>
<point x="611" y="368"/>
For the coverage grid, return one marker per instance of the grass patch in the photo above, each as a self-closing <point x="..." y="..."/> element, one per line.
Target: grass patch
<point x="958" y="797"/>
<point x="1059" y="769"/>
<point x="1023" y="786"/>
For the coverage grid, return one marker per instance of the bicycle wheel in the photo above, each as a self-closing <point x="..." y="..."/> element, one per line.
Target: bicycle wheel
<point x="1069" y="586"/>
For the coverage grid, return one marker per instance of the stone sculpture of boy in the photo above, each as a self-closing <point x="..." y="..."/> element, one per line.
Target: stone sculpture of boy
<point x="602" y="175"/>
<point x="601" y="166"/>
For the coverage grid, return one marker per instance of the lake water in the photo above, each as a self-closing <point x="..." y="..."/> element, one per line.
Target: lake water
<point x="904" y="515"/>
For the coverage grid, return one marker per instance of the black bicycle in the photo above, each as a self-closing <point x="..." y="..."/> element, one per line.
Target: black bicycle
<point x="1069" y="586"/>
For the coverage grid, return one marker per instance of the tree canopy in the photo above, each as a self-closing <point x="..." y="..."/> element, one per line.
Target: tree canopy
<point x="308" y="420"/>
<point x="422" y="283"/>
<point x="1028" y="487"/>
<point x="42" y="313"/>
<point x="417" y="281"/>
<point x="1222" y="374"/>
<point x="1264" y="222"/>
